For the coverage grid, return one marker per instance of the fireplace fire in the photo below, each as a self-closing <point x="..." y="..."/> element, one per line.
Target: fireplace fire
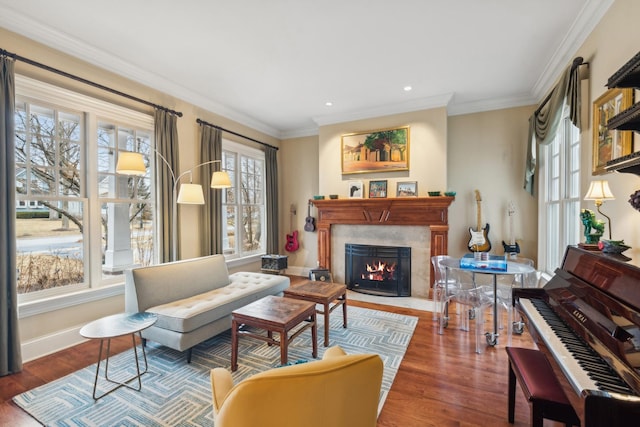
<point x="378" y="270"/>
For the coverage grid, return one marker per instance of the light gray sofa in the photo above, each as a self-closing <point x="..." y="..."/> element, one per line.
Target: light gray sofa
<point x="193" y="298"/>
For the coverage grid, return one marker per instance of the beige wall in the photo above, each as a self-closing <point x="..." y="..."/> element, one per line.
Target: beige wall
<point x="487" y="153"/>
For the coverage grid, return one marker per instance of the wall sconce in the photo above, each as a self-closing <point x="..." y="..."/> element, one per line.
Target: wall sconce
<point x="131" y="163"/>
<point x="600" y="191"/>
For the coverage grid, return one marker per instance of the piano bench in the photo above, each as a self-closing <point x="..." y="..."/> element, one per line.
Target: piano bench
<point x="540" y="386"/>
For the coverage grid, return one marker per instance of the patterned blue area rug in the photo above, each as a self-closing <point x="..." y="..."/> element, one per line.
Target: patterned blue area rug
<point x="175" y="393"/>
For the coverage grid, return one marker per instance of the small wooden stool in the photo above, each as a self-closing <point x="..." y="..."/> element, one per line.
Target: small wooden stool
<point x="540" y="386"/>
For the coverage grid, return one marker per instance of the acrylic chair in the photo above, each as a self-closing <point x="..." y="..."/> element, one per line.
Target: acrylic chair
<point x="458" y="286"/>
<point x="505" y="294"/>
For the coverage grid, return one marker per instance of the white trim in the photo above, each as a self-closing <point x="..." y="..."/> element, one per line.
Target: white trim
<point x="49" y="344"/>
<point x="45" y="92"/>
<point x="47" y="305"/>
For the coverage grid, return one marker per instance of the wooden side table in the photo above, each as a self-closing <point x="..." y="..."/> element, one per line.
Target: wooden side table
<point x="115" y="326"/>
<point x="324" y="293"/>
<point x="274" y="314"/>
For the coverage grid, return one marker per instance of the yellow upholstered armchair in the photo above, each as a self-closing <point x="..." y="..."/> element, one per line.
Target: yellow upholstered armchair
<point x="339" y="390"/>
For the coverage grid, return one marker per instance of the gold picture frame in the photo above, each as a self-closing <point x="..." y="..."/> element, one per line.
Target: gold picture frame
<point x="385" y="150"/>
<point x="609" y="144"/>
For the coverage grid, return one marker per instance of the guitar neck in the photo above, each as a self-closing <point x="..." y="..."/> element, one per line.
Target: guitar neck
<point x="479" y="223"/>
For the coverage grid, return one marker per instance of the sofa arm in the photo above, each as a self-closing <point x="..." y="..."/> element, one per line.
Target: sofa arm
<point x="221" y="383"/>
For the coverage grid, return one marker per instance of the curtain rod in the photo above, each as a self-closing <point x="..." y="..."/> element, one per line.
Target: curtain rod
<point x="85" y="81"/>
<point x="578" y="61"/>
<point x="202" y="122"/>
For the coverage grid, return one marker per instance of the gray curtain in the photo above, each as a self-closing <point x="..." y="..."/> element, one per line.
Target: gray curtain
<point x="212" y="219"/>
<point x="10" y="355"/>
<point x="271" y="183"/>
<point x="166" y="134"/>
<point x="544" y="122"/>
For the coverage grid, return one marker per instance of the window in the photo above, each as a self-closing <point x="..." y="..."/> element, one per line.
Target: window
<point x="244" y="203"/>
<point x="559" y="196"/>
<point x="78" y="224"/>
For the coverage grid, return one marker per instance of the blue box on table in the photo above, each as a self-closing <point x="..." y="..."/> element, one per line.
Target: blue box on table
<point x="486" y="262"/>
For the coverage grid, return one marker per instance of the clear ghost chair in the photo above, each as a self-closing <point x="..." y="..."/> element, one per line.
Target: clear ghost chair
<point x="505" y="294"/>
<point x="458" y="287"/>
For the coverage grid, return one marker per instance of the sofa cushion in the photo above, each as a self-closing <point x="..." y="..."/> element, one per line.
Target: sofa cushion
<point x="187" y="314"/>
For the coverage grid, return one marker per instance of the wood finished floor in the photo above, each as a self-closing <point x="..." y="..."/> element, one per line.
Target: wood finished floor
<point x="440" y="382"/>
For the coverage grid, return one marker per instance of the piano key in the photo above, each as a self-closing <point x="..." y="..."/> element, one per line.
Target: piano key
<point x="571" y="353"/>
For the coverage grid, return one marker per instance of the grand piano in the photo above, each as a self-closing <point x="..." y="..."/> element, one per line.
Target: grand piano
<point x="586" y="319"/>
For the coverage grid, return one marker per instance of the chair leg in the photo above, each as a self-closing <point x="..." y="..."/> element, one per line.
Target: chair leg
<point x="189" y="355"/>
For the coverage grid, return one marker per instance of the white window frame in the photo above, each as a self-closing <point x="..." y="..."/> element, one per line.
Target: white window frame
<point x="562" y="177"/>
<point x="239" y="150"/>
<point x="93" y="110"/>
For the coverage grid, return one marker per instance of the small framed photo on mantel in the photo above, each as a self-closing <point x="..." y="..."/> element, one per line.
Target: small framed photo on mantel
<point x="355" y="189"/>
<point x="377" y="189"/>
<point x="407" y="189"/>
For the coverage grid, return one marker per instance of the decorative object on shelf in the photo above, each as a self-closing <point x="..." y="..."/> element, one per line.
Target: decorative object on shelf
<point x="588" y="218"/>
<point x="132" y="163"/>
<point x="450" y="193"/>
<point x="600" y="191"/>
<point x="318" y="197"/>
<point x="612" y="246"/>
<point x="407" y="189"/>
<point x="434" y="193"/>
<point x="378" y="189"/>
<point x="609" y="144"/>
<point x="333" y="196"/>
<point x="385" y="150"/>
<point x="355" y="189"/>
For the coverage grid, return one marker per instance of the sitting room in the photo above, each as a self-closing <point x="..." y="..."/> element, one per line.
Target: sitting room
<point x="230" y="214"/>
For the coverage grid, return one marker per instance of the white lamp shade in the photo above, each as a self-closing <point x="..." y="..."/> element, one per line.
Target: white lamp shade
<point x="220" y="179"/>
<point x="191" y="194"/>
<point x="130" y="163"/>
<point x="599" y="190"/>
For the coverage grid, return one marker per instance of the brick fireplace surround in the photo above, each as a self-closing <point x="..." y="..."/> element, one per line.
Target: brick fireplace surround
<point x="428" y="211"/>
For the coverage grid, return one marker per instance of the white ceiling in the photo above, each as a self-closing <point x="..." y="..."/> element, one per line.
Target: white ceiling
<point x="273" y="64"/>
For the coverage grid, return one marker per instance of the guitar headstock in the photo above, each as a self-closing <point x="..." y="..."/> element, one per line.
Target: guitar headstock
<point x="478" y="198"/>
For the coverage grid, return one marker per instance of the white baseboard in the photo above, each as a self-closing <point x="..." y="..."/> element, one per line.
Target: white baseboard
<point x="48" y="344"/>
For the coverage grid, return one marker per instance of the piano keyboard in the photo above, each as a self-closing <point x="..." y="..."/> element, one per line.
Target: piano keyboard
<point x="583" y="367"/>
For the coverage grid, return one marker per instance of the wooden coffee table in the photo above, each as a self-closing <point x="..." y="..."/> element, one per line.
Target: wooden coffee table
<point x="324" y="293"/>
<point x="274" y="314"/>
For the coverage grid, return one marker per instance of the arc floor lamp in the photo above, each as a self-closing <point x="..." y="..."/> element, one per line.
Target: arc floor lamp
<point x="132" y="163"/>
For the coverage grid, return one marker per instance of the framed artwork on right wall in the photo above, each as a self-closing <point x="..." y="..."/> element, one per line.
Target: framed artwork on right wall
<point x="609" y="144"/>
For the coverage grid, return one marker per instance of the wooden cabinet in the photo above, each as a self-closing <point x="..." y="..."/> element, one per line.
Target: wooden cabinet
<point x="628" y="76"/>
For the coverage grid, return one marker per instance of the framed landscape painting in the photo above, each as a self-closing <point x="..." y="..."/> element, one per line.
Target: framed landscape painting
<point x="378" y="189"/>
<point x="609" y="144"/>
<point x="385" y="150"/>
<point x="407" y="189"/>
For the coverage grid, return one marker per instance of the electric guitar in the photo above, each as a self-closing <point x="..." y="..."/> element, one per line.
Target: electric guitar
<point x="513" y="248"/>
<point x="292" y="244"/>
<point x="479" y="241"/>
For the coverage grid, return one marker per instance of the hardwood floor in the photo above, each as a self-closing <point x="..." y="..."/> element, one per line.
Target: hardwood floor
<point x="441" y="380"/>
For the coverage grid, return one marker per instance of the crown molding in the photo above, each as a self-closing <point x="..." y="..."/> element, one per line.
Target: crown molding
<point x="457" y="109"/>
<point x="585" y="22"/>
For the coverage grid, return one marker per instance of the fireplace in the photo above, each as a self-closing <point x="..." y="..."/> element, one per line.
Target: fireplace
<point x="378" y="270"/>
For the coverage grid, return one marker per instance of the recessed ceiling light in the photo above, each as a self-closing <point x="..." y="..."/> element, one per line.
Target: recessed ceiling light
<point x="328" y="103"/>
<point x="407" y="88"/>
